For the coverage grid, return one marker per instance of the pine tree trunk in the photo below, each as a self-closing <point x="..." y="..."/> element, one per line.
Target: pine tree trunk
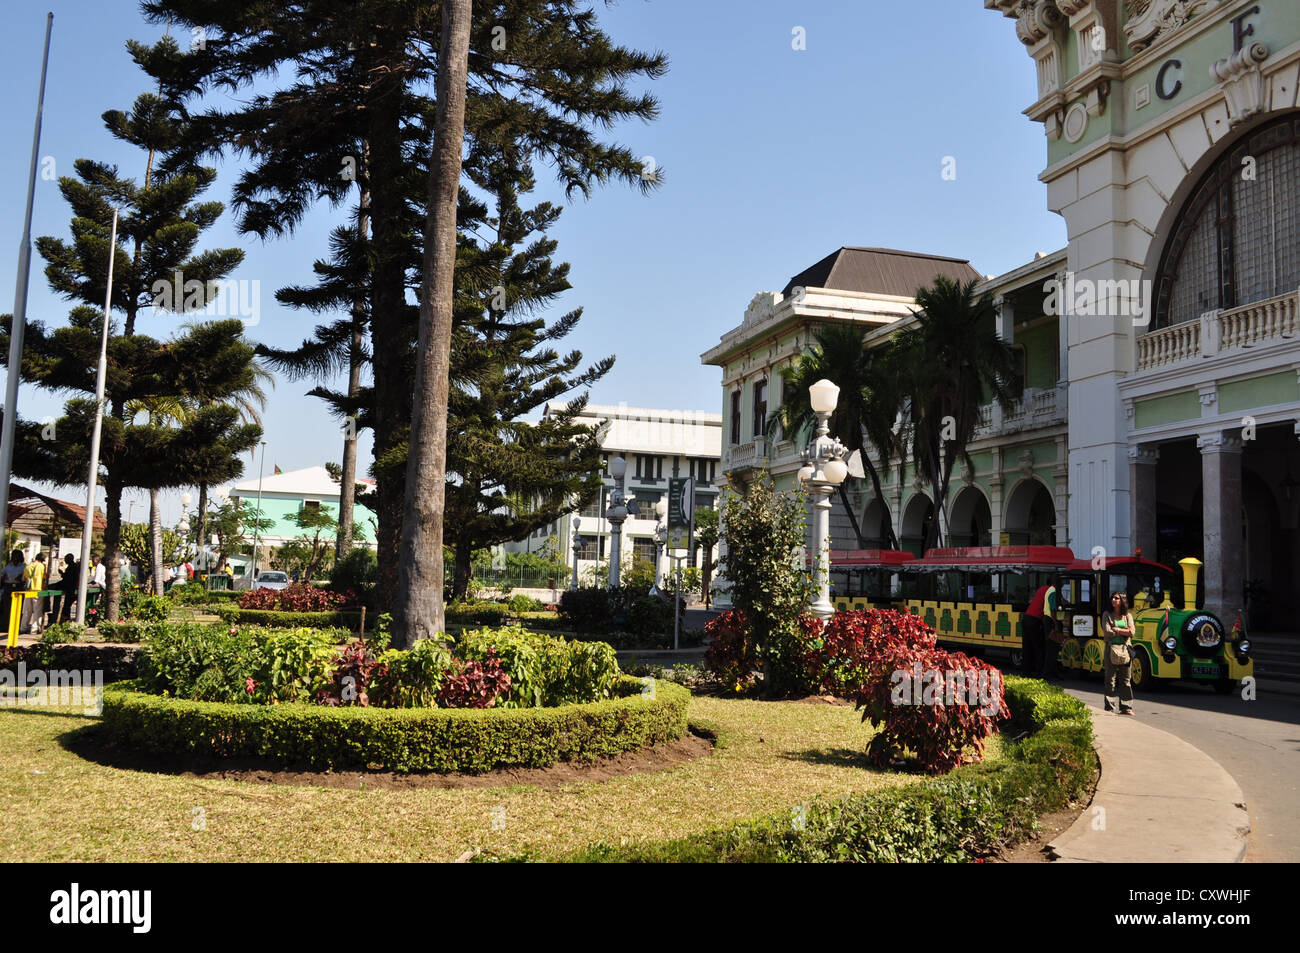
<point x="348" y="489"/>
<point x="203" y="522"/>
<point x="389" y="328"/>
<point x="418" y="612"/>
<point x="111" y="601"/>
<point x="155" y="544"/>
<point x="462" y="566"/>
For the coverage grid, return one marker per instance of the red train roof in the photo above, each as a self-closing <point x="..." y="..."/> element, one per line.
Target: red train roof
<point x="1113" y="561"/>
<point x="1050" y="557"/>
<point x="869" y="557"/>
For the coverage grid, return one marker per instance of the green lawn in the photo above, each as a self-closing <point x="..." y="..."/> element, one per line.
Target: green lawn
<point x="58" y="806"/>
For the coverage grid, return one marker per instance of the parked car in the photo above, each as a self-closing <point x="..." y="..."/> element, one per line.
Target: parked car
<point x="271" y="580"/>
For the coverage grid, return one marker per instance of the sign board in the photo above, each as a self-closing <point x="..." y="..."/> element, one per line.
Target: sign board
<point x="681" y="512"/>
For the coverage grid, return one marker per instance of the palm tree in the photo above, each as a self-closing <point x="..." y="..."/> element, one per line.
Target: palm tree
<point x="162" y="412"/>
<point x="865" y="415"/>
<point x="950" y="362"/>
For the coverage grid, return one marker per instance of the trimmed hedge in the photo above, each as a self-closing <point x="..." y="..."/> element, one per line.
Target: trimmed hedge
<point x="399" y="739"/>
<point x="349" y="619"/>
<point x="972" y="812"/>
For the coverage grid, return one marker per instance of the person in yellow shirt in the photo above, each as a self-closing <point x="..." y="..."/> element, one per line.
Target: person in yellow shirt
<point x="34" y="608"/>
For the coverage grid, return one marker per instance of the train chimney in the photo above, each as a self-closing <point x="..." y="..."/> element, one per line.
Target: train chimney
<point x="1191" y="572"/>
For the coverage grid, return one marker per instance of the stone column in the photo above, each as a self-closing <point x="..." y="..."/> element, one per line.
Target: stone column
<point x="996" y="484"/>
<point x="1005" y="327"/>
<point x="1221" y="514"/>
<point x="1142" y="497"/>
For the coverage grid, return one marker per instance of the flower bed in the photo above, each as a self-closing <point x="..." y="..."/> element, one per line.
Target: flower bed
<point x="399" y="739"/>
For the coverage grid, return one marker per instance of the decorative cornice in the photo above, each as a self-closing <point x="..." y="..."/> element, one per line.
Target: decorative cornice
<point x="1035" y="19"/>
<point x="1218" y="442"/>
<point x="1242" y="82"/>
<point x="1152" y="19"/>
<point x="1144" y="454"/>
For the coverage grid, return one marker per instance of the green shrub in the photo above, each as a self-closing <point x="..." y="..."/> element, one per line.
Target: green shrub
<point x="349" y="619"/>
<point x="521" y="603"/>
<point x="152" y="609"/>
<point x="544" y="670"/>
<point x="190" y="594"/>
<point x="650" y="616"/>
<point x="358" y="570"/>
<point x="587" y="609"/>
<point x="972" y="812"/>
<point x="398" y="739"/>
<point x="411" y="678"/>
<point x="129" y="630"/>
<point x="476" y="613"/>
<point x="212" y="663"/>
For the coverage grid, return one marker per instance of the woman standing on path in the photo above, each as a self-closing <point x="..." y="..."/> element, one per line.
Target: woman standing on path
<point x="1117" y="622"/>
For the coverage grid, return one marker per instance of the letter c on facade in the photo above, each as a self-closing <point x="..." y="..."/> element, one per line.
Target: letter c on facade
<point x="1161" y="79"/>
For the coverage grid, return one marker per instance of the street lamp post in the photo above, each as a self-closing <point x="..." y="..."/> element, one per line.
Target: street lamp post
<point x="577" y="522"/>
<point x="616" y="514"/>
<point x="823" y="471"/>
<point x="661" y="538"/>
<point x="257" y="524"/>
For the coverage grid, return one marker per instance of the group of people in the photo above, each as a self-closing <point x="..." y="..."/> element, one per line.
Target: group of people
<point x="34" y="576"/>
<point x="1042" y="636"/>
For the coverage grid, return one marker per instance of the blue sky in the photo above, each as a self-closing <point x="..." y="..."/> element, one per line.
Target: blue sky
<point x="773" y="158"/>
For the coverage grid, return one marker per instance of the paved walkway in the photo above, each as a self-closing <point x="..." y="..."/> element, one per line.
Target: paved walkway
<point x="1158" y="799"/>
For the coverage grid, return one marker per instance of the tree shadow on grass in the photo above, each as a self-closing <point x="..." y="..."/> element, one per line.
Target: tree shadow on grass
<point x="835" y="757"/>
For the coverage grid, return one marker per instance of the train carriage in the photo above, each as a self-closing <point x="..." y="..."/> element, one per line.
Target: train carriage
<point x="974" y="599"/>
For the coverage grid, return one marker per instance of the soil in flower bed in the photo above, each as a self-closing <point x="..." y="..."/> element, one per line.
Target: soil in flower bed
<point x="92" y="745"/>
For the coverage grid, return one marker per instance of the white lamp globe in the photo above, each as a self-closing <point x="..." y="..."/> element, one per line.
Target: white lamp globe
<point x="186" y="499"/>
<point x="577" y="522"/>
<point x="824" y="395"/>
<point x="835" y="471"/>
<point x="617" y="467"/>
<point x="805" y="473"/>
<point x="661" y="508"/>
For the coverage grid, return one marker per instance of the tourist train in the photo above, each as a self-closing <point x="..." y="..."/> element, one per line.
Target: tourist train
<point x="974" y="598"/>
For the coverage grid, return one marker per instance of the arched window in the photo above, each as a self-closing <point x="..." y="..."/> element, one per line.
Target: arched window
<point x="1237" y="238"/>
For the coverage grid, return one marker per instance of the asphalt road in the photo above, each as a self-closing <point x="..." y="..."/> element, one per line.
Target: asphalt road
<point x="1257" y="742"/>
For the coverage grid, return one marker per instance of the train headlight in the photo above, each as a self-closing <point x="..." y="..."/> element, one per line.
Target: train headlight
<point x="1243" y="647"/>
<point x="1171" y="643"/>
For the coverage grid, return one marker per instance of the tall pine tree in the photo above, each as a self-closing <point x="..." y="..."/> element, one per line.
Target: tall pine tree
<point x="356" y="99"/>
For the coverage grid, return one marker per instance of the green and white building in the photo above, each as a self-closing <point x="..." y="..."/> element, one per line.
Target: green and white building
<point x="284" y="495"/>
<point x="1161" y="345"/>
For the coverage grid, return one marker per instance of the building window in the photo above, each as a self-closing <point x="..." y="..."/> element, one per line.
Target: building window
<point x="643" y="547"/>
<point x="311" y="506"/>
<point x="760" y="407"/>
<point x="1235" y="240"/>
<point x="645" y="504"/>
<point x="596" y="508"/>
<point x="704" y="501"/>
<point x="586" y="548"/>
<point x="735" y="417"/>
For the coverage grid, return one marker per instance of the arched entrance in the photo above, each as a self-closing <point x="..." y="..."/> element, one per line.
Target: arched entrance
<point x="1031" y="515"/>
<point x="970" y="521"/>
<point x="875" y="525"/>
<point x="917" y="516"/>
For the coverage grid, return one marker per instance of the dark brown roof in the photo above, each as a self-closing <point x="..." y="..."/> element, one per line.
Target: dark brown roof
<point x="880" y="271"/>
<point x="23" y="500"/>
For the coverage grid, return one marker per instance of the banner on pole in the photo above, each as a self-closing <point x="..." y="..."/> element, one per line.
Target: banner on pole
<point x="681" y="512"/>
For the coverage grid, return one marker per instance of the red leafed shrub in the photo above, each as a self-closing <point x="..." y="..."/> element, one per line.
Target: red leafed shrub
<point x="357" y="667"/>
<point x="938" y="705"/>
<point x="299" y="597"/>
<point x="475" y="684"/>
<point x="731" y="653"/>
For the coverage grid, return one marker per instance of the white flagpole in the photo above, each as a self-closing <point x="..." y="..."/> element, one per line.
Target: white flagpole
<point x="19" y="327"/>
<point x="92" y="479"/>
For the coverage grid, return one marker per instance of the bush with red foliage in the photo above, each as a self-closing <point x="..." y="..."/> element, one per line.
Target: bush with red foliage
<point x="299" y="597"/>
<point x="938" y="705"/>
<point x="357" y="667"/>
<point x="731" y="653"/>
<point x="475" y="684"/>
